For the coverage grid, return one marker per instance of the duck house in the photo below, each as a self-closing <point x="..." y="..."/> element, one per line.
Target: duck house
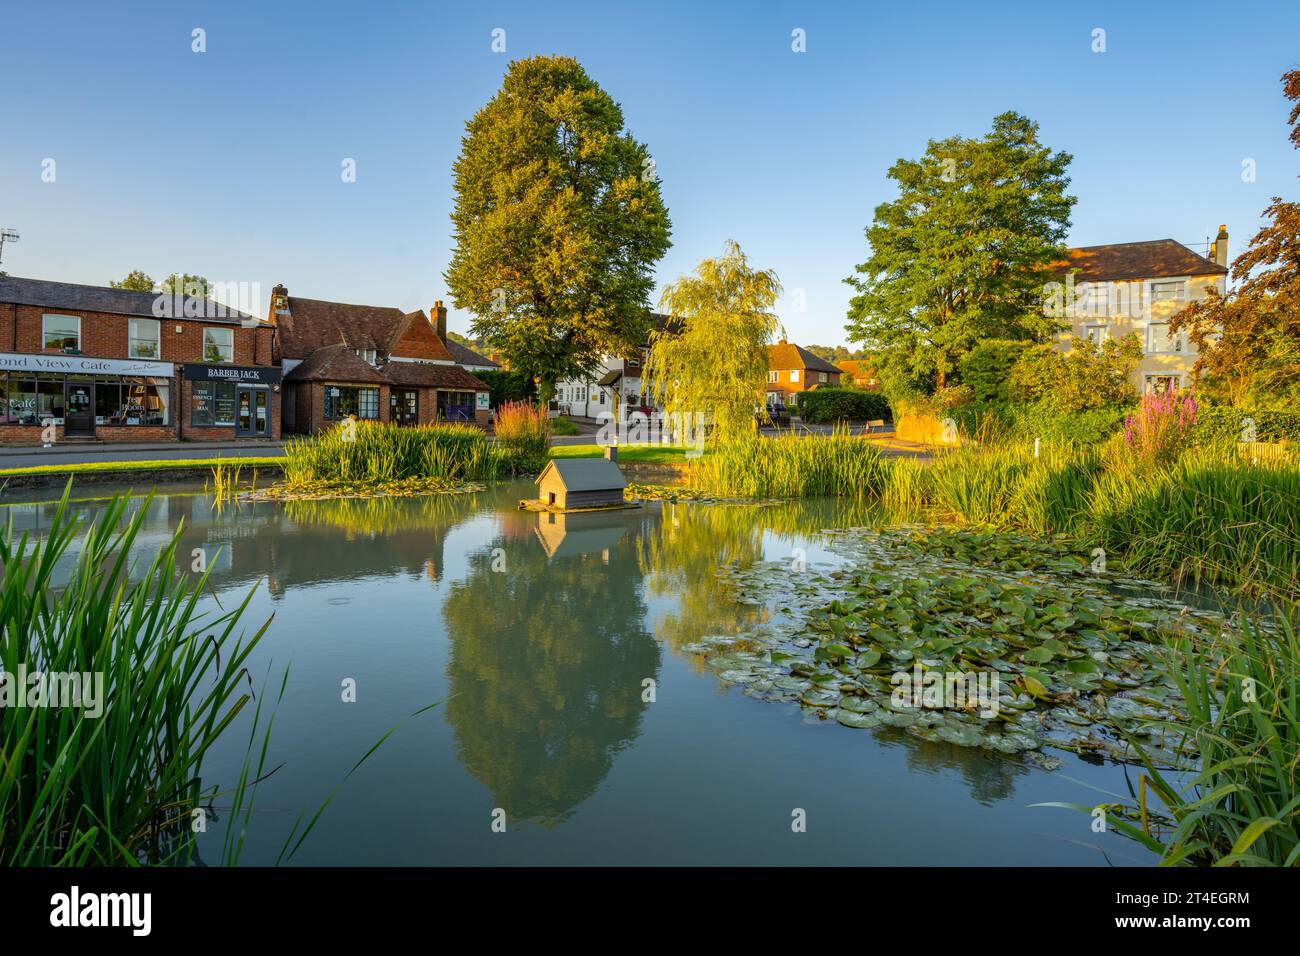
<point x="567" y="484"/>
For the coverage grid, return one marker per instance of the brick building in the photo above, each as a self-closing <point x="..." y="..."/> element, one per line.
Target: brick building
<point x="377" y="363"/>
<point x="95" y="363"/>
<point x="793" y="369"/>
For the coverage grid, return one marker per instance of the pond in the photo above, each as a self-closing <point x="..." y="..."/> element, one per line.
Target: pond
<point x="558" y="651"/>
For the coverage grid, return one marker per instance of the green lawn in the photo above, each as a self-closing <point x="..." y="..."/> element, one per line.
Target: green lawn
<point x="642" y="454"/>
<point x="97" y="467"/>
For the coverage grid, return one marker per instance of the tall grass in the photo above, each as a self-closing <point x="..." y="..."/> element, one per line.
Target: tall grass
<point x="790" y="466"/>
<point x="523" y="433"/>
<point x="374" y="453"/>
<point x="122" y="787"/>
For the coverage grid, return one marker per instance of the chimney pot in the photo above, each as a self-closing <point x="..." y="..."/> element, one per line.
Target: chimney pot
<point x="611" y="453"/>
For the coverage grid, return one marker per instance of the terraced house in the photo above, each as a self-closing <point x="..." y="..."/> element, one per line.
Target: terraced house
<point x="375" y="363"/>
<point x="1116" y="289"/>
<point x="91" y="363"/>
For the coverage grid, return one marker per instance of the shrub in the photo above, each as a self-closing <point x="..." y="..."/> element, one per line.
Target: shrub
<point x="563" y="426"/>
<point x="986" y="369"/>
<point x="842" y="404"/>
<point x="994" y="421"/>
<point x="523" y="437"/>
<point x="1086" y="376"/>
<point x="1160" y="428"/>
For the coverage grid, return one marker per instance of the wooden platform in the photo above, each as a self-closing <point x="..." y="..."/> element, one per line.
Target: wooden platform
<point x="536" y="504"/>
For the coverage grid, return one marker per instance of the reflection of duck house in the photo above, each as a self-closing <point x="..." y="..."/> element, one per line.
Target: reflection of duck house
<point x="578" y="484"/>
<point x="568" y="535"/>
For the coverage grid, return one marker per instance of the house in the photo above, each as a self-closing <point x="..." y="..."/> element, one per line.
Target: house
<point x="792" y="369"/>
<point x="569" y="483"/>
<point x="617" y="380"/>
<point x="859" y="373"/>
<point x="470" y="360"/>
<point x="372" y="362"/>
<point x="1125" y="287"/>
<point x="104" y="364"/>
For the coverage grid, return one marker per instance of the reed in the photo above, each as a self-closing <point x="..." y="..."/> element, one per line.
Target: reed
<point x="523" y="433"/>
<point x="790" y="466"/>
<point x="120" y="787"/>
<point x="375" y="453"/>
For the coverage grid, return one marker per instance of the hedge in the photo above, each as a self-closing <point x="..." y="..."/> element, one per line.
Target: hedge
<point x="1221" y="423"/>
<point x="507" y="386"/>
<point x="1039" y="420"/>
<point x="824" y="405"/>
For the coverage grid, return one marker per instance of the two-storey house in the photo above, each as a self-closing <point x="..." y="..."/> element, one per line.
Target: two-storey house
<point x="792" y="369"/>
<point x="1113" y="290"/>
<point x="91" y="363"/>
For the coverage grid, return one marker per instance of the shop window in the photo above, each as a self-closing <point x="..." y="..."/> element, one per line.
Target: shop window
<point x="212" y="403"/>
<point x="218" y="345"/>
<point x="49" y="393"/>
<point x="23" y="401"/>
<point x="146" y="341"/>
<point x="61" y="332"/>
<point x="142" y="401"/>
<point x="344" y="400"/>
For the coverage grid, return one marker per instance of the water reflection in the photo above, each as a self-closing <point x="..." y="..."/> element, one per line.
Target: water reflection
<point x="544" y="629"/>
<point x="549" y="652"/>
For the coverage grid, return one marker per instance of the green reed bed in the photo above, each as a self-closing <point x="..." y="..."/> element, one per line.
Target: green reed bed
<point x="373" y="453"/>
<point x="790" y="466"/>
<point x="121" y="786"/>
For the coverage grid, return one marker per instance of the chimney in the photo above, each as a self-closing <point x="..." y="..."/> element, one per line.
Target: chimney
<point x="1219" y="247"/>
<point x="611" y="453"/>
<point x="279" y="302"/>
<point x="439" y="315"/>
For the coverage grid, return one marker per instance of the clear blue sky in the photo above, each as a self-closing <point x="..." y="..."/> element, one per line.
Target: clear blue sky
<point x="227" y="163"/>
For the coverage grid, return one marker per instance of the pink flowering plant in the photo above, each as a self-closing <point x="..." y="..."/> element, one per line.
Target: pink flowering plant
<point x="1161" y="427"/>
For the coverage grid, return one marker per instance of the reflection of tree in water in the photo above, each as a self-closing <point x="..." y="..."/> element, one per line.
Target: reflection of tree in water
<point x="547" y="660"/>
<point x="682" y="555"/>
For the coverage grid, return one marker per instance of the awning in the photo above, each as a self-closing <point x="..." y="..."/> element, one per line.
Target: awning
<point x="610" y="378"/>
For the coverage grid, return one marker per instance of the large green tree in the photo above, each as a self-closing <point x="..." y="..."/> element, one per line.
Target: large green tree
<point x="959" y="255"/>
<point x="712" y="360"/>
<point x="558" y="223"/>
<point x="135" y="281"/>
<point x="1249" y="339"/>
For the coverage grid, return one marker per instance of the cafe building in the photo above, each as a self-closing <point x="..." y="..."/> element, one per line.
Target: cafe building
<point x="375" y="363"/>
<point x="89" y="363"/>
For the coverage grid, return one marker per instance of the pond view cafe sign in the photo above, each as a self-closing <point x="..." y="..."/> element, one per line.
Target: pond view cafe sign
<point x="83" y="365"/>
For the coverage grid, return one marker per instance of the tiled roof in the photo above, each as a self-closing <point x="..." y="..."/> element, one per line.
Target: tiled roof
<point x="314" y="323"/>
<point x="787" y="355"/>
<point x="425" y="375"/>
<point x="94" y="298"/>
<point x="1136" y="260"/>
<point x="467" y="356"/>
<point x="335" y="363"/>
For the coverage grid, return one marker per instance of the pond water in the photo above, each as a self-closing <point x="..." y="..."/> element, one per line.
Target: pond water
<point x="536" y="636"/>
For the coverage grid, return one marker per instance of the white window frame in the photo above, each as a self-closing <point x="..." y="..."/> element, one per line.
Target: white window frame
<point x="59" y="315"/>
<point x="229" y="332"/>
<point x="1184" y="291"/>
<point x="773" y="376"/>
<point x="1102" y="328"/>
<point x="134" y="327"/>
<point x="1089" y="299"/>
<point x="822" y="378"/>
<point x="1178" y="346"/>
<point x="794" y="375"/>
<point x="1150" y="377"/>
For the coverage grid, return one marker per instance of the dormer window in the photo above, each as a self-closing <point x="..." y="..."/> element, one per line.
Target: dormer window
<point x="370" y="355"/>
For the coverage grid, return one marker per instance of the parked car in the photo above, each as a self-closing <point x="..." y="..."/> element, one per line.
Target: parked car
<point x="777" y="413"/>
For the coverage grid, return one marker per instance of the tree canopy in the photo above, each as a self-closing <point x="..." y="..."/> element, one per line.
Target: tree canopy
<point x="135" y="281"/>
<point x="959" y="255"/>
<point x="1249" y="338"/>
<point x="558" y="223"/>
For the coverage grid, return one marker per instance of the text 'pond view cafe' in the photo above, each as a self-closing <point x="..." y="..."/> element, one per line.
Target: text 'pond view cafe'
<point x="88" y="363"/>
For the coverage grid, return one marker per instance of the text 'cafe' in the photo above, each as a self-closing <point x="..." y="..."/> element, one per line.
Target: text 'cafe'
<point x="90" y="363"/>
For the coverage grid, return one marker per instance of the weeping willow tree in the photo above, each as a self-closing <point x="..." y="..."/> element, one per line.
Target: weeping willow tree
<point x="711" y="360"/>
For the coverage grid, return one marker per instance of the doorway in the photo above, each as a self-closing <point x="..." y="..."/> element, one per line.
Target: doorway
<point x="404" y="406"/>
<point x="79" y="409"/>
<point x="252" y="412"/>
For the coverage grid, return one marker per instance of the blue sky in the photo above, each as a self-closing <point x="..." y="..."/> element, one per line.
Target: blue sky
<point x="227" y="163"/>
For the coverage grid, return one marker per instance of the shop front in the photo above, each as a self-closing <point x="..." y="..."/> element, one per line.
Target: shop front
<point x="83" y="397"/>
<point x="231" y="400"/>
